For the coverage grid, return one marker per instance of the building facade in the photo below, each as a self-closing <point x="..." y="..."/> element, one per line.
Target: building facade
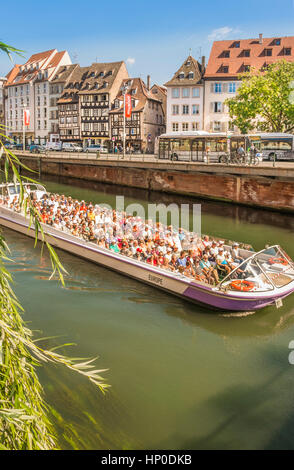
<point x="99" y="88"/>
<point x="28" y="87"/>
<point x="2" y="112"/>
<point x="69" y="106"/>
<point x="185" y="93"/>
<point x="147" y="119"/>
<point x="228" y="60"/>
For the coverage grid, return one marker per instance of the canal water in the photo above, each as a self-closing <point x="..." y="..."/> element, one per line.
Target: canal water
<point x="181" y="377"/>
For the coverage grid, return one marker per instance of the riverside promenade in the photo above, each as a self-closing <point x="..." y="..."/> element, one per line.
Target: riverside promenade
<point x="266" y="185"/>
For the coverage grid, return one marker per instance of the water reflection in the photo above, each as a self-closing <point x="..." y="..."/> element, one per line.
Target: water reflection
<point x="181" y="376"/>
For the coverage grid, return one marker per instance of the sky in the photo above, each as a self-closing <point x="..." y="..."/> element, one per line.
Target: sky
<point x="153" y="37"/>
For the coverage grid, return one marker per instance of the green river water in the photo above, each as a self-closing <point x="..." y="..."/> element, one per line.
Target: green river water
<point x="181" y="377"/>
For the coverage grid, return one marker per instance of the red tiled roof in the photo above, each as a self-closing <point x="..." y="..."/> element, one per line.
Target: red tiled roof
<point x="40" y="56"/>
<point x="237" y="59"/>
<point x="12" y="74"/>
<point x="56" y="59"/>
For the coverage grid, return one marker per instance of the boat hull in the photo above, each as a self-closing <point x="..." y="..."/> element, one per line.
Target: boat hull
<point x="171" y="283"/>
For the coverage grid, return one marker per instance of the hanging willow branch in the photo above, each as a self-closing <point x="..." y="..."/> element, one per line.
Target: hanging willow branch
<point x="24" y="422"/>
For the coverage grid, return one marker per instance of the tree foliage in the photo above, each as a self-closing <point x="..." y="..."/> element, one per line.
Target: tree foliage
<point x="264" y="100"/>
<point x="24" y="422"/>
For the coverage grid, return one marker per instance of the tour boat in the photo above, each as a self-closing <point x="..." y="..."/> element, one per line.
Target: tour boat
<point x="264" y="278"/>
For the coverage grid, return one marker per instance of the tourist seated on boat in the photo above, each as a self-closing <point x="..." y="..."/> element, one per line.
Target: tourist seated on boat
<point x="208" y="270"/>
<point x="198" y="271"/>
<point x="221" y="262"/>
<point x="189" y="270"/>
<point x="235" y="254"/>
<point x="206" y="241"/>
<point x="213" y="252"/>
<point x="182" y="260"/>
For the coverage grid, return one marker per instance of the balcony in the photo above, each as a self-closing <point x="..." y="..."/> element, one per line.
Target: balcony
<point x="95" y="104"/>
<point x="95" y="134"/>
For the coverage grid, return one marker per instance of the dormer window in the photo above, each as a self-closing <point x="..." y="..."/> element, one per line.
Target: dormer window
<point x="181" y="75"/>
<point x="188" y="63"/>
<point x="134" y="91"/>
<point x="133" y="103"/>
<point x="287" y="51"/>
<point x="236" y="44"/>
<point x="40" y="75"/>
<point x="268" y="52"/>
<point x="116" y="104"/>
<point x="277" y="42"/>
<point x="246" y="53"/>
<point x="225" y="69"/>
<point x="191" y="75"/>
<point x="226" y="54"/>
<point x="246" y="68"/>
<point x="101" y="74"/>
<point x="105" y="85"/>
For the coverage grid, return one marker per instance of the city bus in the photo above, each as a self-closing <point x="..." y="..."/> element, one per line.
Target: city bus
<point x="192" y="146"/>
<point x="201" y="146"/>
<point x="274" y="146"/>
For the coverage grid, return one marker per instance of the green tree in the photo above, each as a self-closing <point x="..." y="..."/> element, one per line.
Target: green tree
<point x="263" y="100"/>
<point x="24" y="422"/>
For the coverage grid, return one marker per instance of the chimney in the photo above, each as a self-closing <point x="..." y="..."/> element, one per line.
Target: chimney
<point x="203" y="63"/>
<point x="148" y="82"/>
<point x="260" y="38"/>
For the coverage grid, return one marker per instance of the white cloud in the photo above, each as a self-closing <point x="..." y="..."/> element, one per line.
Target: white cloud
<point x="131" y="60"/>
<point x="221" y="33"/>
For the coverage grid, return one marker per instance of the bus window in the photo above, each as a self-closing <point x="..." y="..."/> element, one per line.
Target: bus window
<point x="180" y="149"/>
<point x="277" y="145"/>
<point x="217" y="145"/>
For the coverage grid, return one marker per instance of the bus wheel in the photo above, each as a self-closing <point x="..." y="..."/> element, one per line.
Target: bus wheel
<point x="223" y="159"/>
<point x="174" y="157"/>
<point x="272" y="157"/>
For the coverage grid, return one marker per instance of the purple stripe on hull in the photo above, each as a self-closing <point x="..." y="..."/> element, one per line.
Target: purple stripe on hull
<point x="224" y="303"/>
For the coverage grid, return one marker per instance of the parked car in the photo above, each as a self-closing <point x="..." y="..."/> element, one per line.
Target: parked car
<point x="56" y="146"/>
<point x="96" y="148"/>
<point x="9" y="145"/>
<point x="70" y="147"/>
<point x="35" y="148"/>
<point x="17" y="147"/>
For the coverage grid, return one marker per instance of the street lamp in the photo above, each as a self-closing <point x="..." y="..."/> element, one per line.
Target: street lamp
<point x="124" y="89"/>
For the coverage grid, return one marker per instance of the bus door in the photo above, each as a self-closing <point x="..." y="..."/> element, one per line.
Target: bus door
<point x="197" y="150"/>
<point x="163" y="148"/>
<point x="235" y="143"/>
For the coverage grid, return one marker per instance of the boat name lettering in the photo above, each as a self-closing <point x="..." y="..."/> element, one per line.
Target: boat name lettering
<point x="157" y="280"/>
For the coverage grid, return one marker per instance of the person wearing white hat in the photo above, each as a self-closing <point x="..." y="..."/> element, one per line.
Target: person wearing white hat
<point x="235" y="253"/>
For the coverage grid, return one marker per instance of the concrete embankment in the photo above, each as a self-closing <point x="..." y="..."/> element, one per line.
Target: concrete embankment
<point x="261" y="186"/>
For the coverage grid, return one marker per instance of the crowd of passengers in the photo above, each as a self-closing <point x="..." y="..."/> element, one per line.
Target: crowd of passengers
<point x="162" y="246"/>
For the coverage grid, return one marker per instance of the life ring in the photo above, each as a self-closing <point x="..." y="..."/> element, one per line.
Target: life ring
<point x="243" y="286"/>
<point x="282" y="261"/>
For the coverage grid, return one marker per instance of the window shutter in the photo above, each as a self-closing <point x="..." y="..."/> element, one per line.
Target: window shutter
<point x="224" y="127"/>
<point x="211" y="107"/>
<point x="212" y="87"/>
<point x="225" y="87"/>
